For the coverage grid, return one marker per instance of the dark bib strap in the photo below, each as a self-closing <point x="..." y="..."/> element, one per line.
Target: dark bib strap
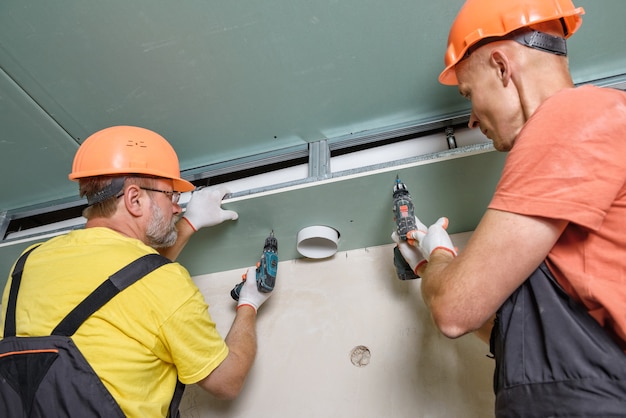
<point x="179" y="390"/>
<point x="16" y="280"/>
<point x="117" y="282"/>
<point x="107" y="290"/>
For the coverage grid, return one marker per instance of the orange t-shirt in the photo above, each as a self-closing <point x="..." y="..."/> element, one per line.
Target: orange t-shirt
<point x="569" y="162"/>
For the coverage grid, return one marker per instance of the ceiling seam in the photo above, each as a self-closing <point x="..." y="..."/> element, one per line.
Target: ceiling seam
<point x="31" y="97"/>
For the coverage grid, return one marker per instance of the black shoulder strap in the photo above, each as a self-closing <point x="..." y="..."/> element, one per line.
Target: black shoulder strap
<point x="179" y="390"/>
<point x="107" y="290"/>
<point x="98" y="298"/>
<point x="16" y="279"/>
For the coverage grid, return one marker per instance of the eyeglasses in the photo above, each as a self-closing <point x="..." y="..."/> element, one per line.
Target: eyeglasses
<point x="172" y="195"/>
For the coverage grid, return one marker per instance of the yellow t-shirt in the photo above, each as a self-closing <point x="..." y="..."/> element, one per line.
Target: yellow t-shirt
<point x="150" y="333"/>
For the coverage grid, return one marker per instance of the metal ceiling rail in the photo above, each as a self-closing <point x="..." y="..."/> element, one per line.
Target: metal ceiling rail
<point x="398" y="132"/>
<point x="318" y="155"/>
<point x="243" y="164"/>
<point x="238" y="168"/>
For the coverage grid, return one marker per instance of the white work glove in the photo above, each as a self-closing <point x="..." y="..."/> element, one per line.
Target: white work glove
<point x="436" y="238"/>
<point x="204" y="208"/>
<point x="250" y="294"/>
<point x="411" y="254"/>
<point x="407" y="247"/>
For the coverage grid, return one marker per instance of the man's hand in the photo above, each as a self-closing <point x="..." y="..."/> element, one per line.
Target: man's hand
<point x="436" y="238"/>
<point x="411" y="254"/>
<point x="204" y="208"/>
<point x="250" y="294"/>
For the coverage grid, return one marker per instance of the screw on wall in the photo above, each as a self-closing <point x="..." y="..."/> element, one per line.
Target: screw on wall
<point x="360" y="356"/>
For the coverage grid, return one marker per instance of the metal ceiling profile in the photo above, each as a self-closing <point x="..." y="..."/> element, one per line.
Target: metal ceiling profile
<point x="252" y="172"/>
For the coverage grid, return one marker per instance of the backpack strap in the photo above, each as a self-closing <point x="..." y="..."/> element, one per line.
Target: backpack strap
<point x="16" y="280"/>
<point x="107" y="290"/>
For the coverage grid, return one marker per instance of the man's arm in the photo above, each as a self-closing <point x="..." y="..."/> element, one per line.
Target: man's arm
<point x="484" y="332"/>
<point x="464" y="292"/>
<point x="226" y="381"/>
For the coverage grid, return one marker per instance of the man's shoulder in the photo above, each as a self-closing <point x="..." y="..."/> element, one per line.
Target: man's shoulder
<point x="571" y="109"/>
<point x="98" y="238"/>
<point x="95" y="249"/>
<point x="588" y="94"/>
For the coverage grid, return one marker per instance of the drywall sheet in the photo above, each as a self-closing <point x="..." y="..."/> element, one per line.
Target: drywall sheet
<point x="456" y="183"/>
<point x="228" y="80"/>
<point x="343" y="337"/>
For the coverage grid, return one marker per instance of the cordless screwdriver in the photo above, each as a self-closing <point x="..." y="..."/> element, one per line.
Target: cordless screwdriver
<point x="404" y="217"/>
<point x="266" y="268"/>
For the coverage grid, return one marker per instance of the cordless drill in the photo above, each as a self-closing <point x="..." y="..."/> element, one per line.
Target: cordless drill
<point x="266" y="268"/>
<point x="404" y="217"/>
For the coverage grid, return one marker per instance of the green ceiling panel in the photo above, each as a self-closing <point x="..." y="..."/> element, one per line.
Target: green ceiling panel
<point x="457" y="185"/>
<point x="228" y="80"/>
<point x="35" y="154"/>
<point x="359" y="208"/>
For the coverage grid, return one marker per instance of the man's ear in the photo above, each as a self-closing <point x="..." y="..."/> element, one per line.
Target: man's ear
<point x="500" y="62"/>
<point x="132" y="200"/>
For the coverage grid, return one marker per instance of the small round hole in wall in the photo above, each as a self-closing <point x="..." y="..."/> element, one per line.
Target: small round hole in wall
<point x="360" y="356"/>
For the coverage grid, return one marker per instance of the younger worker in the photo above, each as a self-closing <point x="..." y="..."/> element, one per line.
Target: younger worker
<point x="549" y="255"/>
<point x="157" y="330"/>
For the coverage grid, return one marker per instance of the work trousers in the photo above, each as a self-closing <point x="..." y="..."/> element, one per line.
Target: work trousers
<point x="552" y="358"/>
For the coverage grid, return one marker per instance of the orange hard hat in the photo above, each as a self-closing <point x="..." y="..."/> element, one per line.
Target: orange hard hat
<point x="124" y="150"/>
<point x="481" y="19"/>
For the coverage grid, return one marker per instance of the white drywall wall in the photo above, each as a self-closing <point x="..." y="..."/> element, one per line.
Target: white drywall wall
<point x="320" y="312"/>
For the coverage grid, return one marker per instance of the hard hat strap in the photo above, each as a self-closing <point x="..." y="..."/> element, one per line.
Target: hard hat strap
<point x="528" y="37"/>
<point x="540" y="40"/>
<point x="112" y="189"/>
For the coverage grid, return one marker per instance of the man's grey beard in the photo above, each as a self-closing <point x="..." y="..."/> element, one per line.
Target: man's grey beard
<point x="160" y="234"/>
